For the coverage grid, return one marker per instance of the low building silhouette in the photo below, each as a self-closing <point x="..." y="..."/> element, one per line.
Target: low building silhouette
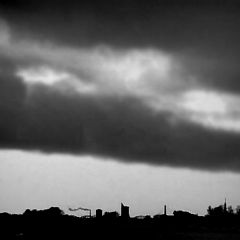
<point x="99" y="213"/>
<point x="111" y="215"/>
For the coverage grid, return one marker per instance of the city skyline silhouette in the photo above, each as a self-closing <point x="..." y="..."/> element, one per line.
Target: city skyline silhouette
<point x="53" y="222"/>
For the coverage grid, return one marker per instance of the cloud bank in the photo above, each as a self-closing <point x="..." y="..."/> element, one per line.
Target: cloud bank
<point x="135" y="104"/>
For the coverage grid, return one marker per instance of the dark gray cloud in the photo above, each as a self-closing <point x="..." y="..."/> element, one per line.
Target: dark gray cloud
<point x="169" y="24"/>
<point x="128" y="125"/>
<point x="123" y="129"/>
<point x="203" y="33"/>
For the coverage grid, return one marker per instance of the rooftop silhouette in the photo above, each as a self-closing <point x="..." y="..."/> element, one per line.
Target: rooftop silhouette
<point x="54" y="223"/>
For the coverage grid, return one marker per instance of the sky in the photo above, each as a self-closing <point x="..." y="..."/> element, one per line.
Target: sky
<point x="103" y="102"/>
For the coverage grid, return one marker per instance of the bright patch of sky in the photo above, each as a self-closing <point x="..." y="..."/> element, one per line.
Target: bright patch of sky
<point x="33" y="180"/>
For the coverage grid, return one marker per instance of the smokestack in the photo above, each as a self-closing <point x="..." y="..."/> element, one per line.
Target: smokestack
<point x="165" y="210"/>
<point x="225" y="206"/>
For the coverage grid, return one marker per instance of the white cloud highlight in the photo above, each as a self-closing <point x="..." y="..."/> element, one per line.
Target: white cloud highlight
<point x="155" y="77"/>
<point x="204" y="102"/>
<point x="212" y="109"/>
<point x="42" y="75"/>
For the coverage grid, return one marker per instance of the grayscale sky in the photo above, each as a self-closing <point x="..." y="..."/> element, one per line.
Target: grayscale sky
<point x="103" y="102"/>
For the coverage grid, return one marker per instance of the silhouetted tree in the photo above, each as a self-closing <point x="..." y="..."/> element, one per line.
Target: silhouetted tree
<point x="53" y="211"/>
<point x="217" y="211"/>
<point x="209" y="210"/>
<point x="183" y="214"/>
<point x="238" y="210"/>
<point x="27" y="212"/>
<point x="230" y="210"/>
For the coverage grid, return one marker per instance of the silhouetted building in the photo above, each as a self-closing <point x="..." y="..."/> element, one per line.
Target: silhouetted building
<point x="124" y="211"/>
<point x="98" y="213"/>
<point x="111" y="215"/>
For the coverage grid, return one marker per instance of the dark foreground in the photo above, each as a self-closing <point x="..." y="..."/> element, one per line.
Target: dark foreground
<point x="165" y="227"/>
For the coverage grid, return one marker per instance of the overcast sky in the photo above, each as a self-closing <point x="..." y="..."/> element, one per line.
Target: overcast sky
<point x="145" y="90"/>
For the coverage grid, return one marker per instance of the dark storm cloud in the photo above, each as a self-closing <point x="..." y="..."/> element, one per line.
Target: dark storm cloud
<point x="12" y="94"/>
<point x="144" y="124"/>
<point x="204" y="33"/>
<point x="123" y="129"/>
<point x="168" y="24"/>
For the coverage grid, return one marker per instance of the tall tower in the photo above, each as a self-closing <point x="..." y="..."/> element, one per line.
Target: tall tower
<point x="225" y="206"/>
<point x="165" y="210"/>
<point x="124" y="212"/>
